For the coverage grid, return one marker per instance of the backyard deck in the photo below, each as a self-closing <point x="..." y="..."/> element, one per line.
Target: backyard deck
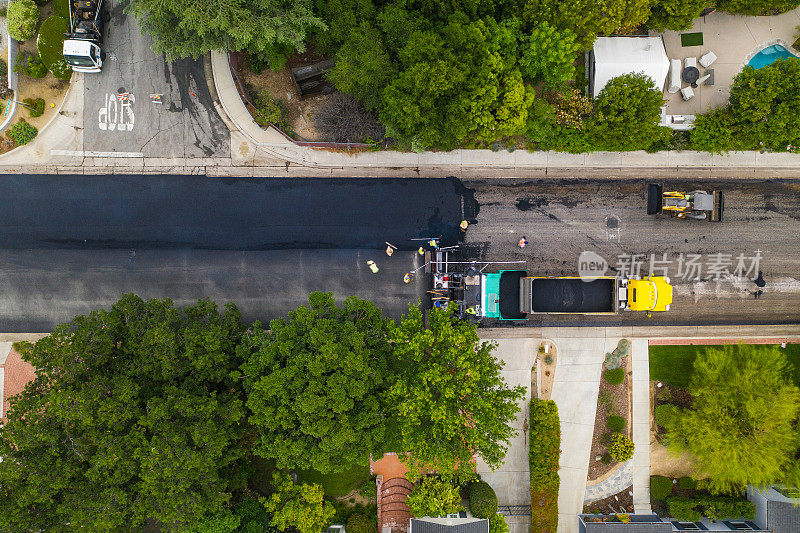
<point x="733" y="39"/>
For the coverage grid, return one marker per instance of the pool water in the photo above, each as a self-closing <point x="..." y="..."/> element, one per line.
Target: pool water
<point x="768" y="55"/>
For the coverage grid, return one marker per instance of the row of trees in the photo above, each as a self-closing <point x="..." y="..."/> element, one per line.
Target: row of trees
<point x="149" y="412"/>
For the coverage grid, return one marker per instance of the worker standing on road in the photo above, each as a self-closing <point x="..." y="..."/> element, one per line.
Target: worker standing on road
<point x="390" y="248"/>
<point x="372" y="266"/>
<point x="523" y="242"/>
<point x="408" y="278"/>
<point x="464" y="225"/>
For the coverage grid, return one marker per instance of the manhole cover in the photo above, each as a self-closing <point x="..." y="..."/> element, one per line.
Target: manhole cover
<point x="612" y="222"/>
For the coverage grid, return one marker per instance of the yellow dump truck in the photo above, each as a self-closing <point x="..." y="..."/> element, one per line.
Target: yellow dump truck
<point x="513" y="295"/>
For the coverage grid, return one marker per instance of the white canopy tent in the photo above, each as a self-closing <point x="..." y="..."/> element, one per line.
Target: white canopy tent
<point x="614" y="56"/>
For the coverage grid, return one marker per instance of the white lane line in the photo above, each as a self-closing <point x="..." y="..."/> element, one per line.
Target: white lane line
<point x="90" y="153"/>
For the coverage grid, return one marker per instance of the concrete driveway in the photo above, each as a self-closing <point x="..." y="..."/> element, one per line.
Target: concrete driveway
<point x="119" y="114"/>
<point x="512" y="480"/>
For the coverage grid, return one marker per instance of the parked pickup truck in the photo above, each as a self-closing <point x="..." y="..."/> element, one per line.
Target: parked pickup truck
<point x="513" y="295"/>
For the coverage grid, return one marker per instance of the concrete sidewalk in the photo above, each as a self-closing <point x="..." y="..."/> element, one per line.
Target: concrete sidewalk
<point x="640" y="363"/>
<point x="59" y="149"/>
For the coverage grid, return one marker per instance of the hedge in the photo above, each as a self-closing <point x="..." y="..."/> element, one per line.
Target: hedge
<point x="711" y="507"/>
<point x="361" y="523"/>
<point x="545" y="449"/>
<point x="50" y="42"/>
<point x="687" y="483"/>
<point x="482" y="500"/>
<point x="660" y="487"/>
<point x="497" y="524"/>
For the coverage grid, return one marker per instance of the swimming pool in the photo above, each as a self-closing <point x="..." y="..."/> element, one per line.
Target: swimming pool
<point x="768" y="55"/>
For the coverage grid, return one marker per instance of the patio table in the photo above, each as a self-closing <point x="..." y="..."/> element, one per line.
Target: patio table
<point x="690" y="75"/>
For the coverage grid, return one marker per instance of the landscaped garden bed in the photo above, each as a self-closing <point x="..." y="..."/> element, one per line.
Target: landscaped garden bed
<point x="545" y="450"/>
<point x="613" y="411"/>
<point x="621" y="502"/>
<point x="545" y="370"/>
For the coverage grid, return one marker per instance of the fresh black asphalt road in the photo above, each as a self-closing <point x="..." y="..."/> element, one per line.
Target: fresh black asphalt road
<point x="70" y="244"/>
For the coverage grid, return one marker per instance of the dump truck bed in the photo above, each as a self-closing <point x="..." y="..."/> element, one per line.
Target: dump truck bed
<point x="569" y="295"/>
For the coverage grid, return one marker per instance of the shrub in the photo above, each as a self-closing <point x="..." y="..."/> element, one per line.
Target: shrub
<point x="22" y="17"/>
<point x="660" y="487"/>
<point x="61" y="8"/>
<point x="61" y="70"/>
<point x="615" y="376"/>
<point x="545" y="449"/>
<point x="343" y="118"/>
<point x="361" y="523"/>
<point x="3" y="67"/>
<point x="269" y="111"/>
<point x="621" y="448"/>
<point x="35" y="106"/>
<point x="22" y="132"/>
<point x="31" y="65"/>
<point x="433" y="497"/>
<point x="497" y="524"/>
<point x="711" y="507"/>
<point x="482" y="500"/>
<point x="687" y="483"/>
<point x="664" y="414"/>
<point x="615" y="423"/>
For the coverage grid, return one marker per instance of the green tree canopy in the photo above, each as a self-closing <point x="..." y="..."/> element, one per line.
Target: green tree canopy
<point x="434" y="497"/>
<point x="184" y="28"/>
<point x="757" y="7"/>
<point x="675" y="14"/>
<point x="454" y="86"/>
<point x="548" y="54"/>
<point x="449" y="399"/>
<point x="587" y="18"/>
<point x="742" y="424"/>
<point x="363" y="67"/>
<point x="627" y="113"/>
<point x="22" y="18"/>
<point x="298" y="507"/>
<point x="315" y="382"/>
<point x="133" y="415"/>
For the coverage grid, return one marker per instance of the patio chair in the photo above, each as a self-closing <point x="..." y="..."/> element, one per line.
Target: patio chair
<point x="690" y="62"/>
<point x="674" y="76"/>
<point x="687" y="93"/>
<point x="708" y="59"/>
<point x="702" y="80"/>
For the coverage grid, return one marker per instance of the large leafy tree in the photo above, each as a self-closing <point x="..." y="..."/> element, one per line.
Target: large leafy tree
<point x="298" y="507"/>
<point x="757" y="7"/>
<point x="675" y="14"/>
<point x="587" y="18"/>
<point x="363" y="67"/>
<point x="449" y="398"/>
<point x="454" y="86"/>
<point x="133" y="415"/>
<point x="548" y="55"/>
<point x="742" y="426"/>
<point x="314" y="383"/>
<point x="627" y="113"/>
<point x="183" y="28"/>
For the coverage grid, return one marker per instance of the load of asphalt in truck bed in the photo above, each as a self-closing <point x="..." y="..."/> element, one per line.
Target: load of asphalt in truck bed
<point x="573" y="295"/>
<point x="509" y="294"/>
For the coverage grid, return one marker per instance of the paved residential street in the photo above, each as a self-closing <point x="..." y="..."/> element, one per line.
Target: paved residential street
<point x="562" y="218"/>
<point x="120" y="116"/>
<point x="71" y="244"/>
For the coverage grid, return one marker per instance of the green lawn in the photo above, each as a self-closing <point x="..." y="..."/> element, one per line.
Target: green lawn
<point x="50" y="42"/>
<point x="337" y="485"/>
<point x="673" y="364"/>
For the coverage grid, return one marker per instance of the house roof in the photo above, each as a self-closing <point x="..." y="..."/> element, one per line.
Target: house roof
<point x="449" y="525"/>
<point x="615" y="56"/>
<point x="783" y="517"/>
<point x="649" y="523"/>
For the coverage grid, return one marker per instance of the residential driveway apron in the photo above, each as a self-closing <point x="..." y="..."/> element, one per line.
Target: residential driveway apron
<point x="140" y="105"/>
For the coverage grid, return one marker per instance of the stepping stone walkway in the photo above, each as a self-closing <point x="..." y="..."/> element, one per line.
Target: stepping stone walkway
<point x="621" y="479"/>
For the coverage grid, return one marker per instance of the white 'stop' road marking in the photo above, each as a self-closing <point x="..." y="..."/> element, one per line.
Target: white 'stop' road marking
<point x="90" y="153"/>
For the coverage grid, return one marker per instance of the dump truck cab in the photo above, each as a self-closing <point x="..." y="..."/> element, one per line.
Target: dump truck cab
<point x="651" y="294"/>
